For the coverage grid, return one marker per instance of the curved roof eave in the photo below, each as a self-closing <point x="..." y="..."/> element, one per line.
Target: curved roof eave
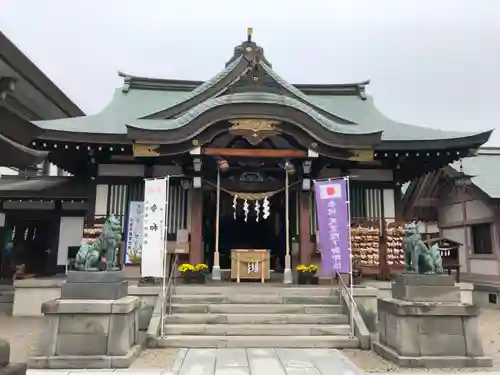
<point x="13" y="154"/>
<point x="14" y="57"/>
<point x="15" y="126"/>
<point x="330" y="86"/>
<point x="253" y="105"/>
<point x="238" y="65"/>
<point x="366" y="112"/>
<point x="403" y="132"/>
<point x="299" y="94"/>
<point x="253" y="98"/>
<point x="472" y="140"/>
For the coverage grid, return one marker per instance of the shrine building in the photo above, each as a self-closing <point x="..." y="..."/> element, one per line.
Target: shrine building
<point x="27" y="94"/>
<point x="246" y="127"/>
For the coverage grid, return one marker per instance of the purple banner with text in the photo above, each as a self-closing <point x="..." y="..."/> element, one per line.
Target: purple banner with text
<point x="332" y="207"/>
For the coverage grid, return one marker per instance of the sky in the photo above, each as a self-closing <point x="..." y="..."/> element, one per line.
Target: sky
<point x="433" y="63"/>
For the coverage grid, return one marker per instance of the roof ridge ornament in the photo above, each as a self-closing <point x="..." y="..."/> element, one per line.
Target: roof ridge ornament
<point x="249" y="50"/>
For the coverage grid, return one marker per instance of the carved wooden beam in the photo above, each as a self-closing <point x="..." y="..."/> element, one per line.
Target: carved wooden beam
<point x="255" y="153"/>
<point x="361" y="155"/>
<point x="254" y="130"/>
<point x="142" y="150"/>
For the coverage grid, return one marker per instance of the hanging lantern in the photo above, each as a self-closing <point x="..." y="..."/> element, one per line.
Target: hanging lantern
<point x="462" y="179"/>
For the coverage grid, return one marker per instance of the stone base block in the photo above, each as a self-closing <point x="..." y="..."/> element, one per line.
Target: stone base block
<point x="430" y="361"/>
<point x="426" y="293"/>
<point x="424" y="280"/>
<point x="14" y="369"/>
<point x="4" y="352"/>
<point x="94" y="290"/>
<point x="80" y="331"/>
<point x="426" y="288"/>
<point x="427" y="334"/>
<point x="85" y="361"/>
<point x="95" y="277"/>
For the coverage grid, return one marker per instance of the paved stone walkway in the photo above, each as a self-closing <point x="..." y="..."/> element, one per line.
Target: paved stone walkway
<point x="252" y="362"/>
<point x="241" y="362"/>
<point x="263" y="362"/>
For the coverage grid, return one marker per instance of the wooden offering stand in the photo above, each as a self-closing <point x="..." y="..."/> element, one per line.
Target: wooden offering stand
<point x="250" y="264"/>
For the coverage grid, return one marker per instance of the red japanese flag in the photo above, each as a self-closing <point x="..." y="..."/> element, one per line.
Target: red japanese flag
<point x="329" y="191"/>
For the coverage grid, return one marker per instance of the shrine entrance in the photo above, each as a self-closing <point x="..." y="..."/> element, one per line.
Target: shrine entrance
<point x="251" y="170"/>
<point x="245" y="223"/>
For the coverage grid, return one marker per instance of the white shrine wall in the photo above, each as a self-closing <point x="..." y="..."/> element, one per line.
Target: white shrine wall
<point x="70" y="234"/>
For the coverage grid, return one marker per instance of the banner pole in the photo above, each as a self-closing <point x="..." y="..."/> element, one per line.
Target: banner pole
<point x="216" y="275"/>
<point x="287" y="274"/>
<point x="351" y="281"/>
<point x="164" y="259"/>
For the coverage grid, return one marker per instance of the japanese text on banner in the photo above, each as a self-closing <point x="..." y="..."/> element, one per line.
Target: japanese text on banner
<point x="135" y="229"/>
<point x="154" y="228"/>
<point x="333" y="226"/>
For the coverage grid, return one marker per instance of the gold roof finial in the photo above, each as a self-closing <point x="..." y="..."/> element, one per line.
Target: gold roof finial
<point x="249" y="33"/>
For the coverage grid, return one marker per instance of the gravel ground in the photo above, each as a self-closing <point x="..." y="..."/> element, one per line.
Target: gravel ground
<point x="22" y="334"/>
<point x="489" y="327"/>
<point x="156" y="359"/>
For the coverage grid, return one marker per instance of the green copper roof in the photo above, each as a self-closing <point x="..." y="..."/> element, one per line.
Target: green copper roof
<point x="212" y="82"/>
<point x="125" y="107"/>
<point x="483" y="167"/>
<point x="295" y="91"/>
<point x="128" y="107"/>
<point x="365" y="112"/>
<point x="250" y="98"/>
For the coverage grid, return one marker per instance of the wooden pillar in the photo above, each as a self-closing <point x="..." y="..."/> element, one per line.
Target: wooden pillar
<point x="90" y="215"/>
<point x="306" y="246"/>
<point x="196" y="241"/>
<point x="384" y="272"/>
<point x="384" y="267"/>
<point x="398" y="204"/>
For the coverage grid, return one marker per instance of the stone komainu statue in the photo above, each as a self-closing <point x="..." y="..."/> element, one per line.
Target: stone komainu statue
<point x="101" y="254"/>
<point x="418" y="257"/>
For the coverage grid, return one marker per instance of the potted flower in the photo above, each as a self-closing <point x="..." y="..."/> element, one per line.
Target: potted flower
<point x="135" y="259"/>
<point x="307" y="274"/>
<point x="201" y="268"/>
<point x="193" y="274"/>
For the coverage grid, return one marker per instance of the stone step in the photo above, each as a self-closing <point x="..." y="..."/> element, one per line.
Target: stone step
<point x="176" y="341"/>
<point x="253" y="298"/>
<point x="6" y="297"/>
<point x="258" y="329"/>
<point x="258" y="289"/>
<point x="220" y="308"/>
<point x="204" y="318"/>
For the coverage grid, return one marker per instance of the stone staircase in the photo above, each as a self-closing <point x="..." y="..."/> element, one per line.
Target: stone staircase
<point x="6" y="299"/>
<point x="250" y="316"/>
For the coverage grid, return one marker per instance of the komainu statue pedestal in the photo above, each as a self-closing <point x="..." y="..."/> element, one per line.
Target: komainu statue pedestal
<point x="93" y="325"/>
<point x="424" y="324"/>
<point x="6" y="367"/>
